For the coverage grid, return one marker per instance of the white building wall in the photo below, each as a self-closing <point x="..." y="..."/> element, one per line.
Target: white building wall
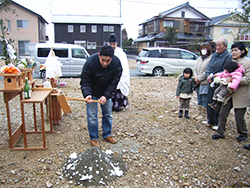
<point x="188" y="14"/>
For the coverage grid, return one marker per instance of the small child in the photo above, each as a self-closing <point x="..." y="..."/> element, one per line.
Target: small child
<point x="185" y="90"/>
<point x="232" y="70"/>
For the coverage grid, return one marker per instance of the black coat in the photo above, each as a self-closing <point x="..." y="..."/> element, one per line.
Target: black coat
<point x="98" y="81"/>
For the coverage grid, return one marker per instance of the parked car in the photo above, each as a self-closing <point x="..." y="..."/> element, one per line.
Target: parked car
<point x="160" y="61"/>
<point x="72" y="57"/>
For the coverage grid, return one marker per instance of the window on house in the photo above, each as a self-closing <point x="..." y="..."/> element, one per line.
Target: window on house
<point x="80" y="42"/>
<point x="93" y="45"/>
<point x="111" y="28"/>
<point x="105" y="28"/>
<point x="82" y="28"/>
<point x="176" y="24"/>
<point x="168" y="23"/>
<point x="183" y="14"/>
<point x="42" y="35"/>
<point x="23" y="47"/>
<point x="9" y="25"/>
<point x="88" y="45"/>
<point x="94" y="29"/>
<point x="146" y="29"/>
<point x="22" y="23"/>
<point x="196" y="27"/>
<point x="40" y="25"/>
<point x="70" y="29"/>
<point x="225" y="31"/>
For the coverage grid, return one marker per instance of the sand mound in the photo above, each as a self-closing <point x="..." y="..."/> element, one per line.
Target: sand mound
<point x="93" y="167"/>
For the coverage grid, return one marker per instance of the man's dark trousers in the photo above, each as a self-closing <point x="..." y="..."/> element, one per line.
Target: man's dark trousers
<point x="212" y="115"/>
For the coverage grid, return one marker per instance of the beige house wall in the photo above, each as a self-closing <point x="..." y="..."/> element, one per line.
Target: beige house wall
<point x="217" y="33"/>
<point x="30" y="34"/>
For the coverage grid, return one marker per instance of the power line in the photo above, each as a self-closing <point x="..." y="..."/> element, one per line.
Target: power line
<point x="164" y="4"/>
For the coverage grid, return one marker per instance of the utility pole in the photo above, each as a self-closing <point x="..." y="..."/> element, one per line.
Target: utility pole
<point x="120" y="8"/>
<point x="121" y="17"/>
<point x="50" y="28"/>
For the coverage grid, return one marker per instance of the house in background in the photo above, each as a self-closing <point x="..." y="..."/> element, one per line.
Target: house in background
<point x="89" y="31"/>
<point x="190" y="24"/>
<point x="230" y="27"/>
<point x="24" y="26"/>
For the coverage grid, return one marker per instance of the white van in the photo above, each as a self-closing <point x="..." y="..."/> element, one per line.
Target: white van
<point x="72" y="57"/>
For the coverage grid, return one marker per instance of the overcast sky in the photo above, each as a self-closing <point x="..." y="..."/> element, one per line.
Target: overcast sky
<point x="133" y="12"/>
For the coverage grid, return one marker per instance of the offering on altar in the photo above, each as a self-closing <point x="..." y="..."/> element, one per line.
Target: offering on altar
<point x="26" y="63"/>
<point x="9" y="69"/>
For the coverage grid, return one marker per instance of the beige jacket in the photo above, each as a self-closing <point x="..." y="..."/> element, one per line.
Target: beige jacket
<point x="200" y="69"/>
<point x="242" y="95"/>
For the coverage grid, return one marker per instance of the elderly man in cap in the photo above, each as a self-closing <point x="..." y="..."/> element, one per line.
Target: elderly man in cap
<point x="120" y="97"/>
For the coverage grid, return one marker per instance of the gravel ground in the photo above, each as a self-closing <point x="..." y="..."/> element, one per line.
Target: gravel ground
<point x="158" y="148"/>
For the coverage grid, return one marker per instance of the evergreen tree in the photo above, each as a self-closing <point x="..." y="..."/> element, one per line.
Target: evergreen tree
<point x="245" y="6"/>
<point x="170" y="36"/>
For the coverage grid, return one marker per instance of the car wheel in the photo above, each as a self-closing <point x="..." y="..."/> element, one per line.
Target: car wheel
<point x="43" y="74"/>
<point x="158" y="71"/>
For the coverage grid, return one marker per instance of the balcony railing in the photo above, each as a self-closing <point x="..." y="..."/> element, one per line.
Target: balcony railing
<point x="193" y="28"/>
<point x="244" y="37"/>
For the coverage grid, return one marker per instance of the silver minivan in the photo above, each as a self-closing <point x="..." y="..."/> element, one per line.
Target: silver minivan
<point x="158" y="61"/>
<point x="72" y="57"/>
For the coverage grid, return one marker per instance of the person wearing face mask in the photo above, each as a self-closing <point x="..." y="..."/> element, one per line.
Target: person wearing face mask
<point x="216" y="65"/>
<point x="239" y="100"/>
<point x="200" y="78"/>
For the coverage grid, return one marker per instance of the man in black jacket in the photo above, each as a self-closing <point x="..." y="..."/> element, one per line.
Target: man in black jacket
<point x="100" y="76"/>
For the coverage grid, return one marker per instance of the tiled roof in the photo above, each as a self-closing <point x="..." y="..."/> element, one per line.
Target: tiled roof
<point x="62" y="18"/>
<point x="181" y="36"/>
<point x="170" y="11"/>
<point x="218" y="19"/>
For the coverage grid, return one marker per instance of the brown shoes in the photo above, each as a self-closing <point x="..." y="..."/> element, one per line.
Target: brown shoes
<point x="111" y="139"/>
<point x="95" y="143"/>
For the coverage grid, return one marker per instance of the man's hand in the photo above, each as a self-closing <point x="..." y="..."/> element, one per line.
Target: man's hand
<point x="89" y="98"/>
<point x="177" y="97"/>
<point x="103" y="100"/>
<point x="209" y="79"/>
